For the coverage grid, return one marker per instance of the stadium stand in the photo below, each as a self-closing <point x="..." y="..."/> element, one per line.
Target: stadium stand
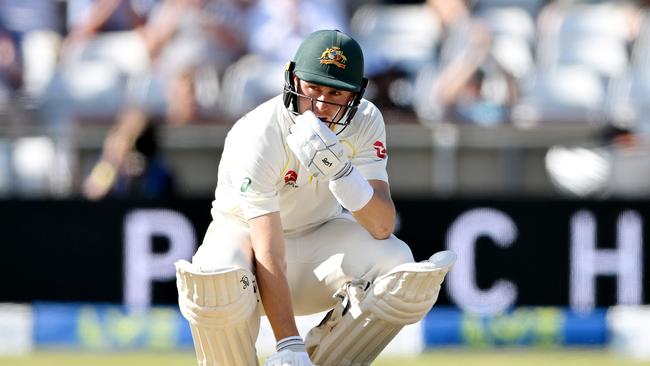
<point x="550" y="67"/>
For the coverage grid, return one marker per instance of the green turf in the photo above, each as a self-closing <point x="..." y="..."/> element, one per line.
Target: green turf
<point x="454" y="357"/>
<point x="459" y="357"/>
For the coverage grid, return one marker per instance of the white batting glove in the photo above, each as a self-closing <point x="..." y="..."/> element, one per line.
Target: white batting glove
<point x="291" y="352"/>
<point x="318" y="148"/>
<point x="288" y="358"/>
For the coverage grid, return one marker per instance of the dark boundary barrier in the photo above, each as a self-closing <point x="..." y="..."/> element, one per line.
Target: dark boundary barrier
<point x="77" y="251"/>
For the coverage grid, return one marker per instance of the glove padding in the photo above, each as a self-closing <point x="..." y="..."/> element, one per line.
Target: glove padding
<point x="318" y="148"/>
<point x="289" y="358"/>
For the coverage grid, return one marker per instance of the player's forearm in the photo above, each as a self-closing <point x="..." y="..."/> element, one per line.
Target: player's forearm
<point x="271" y="272"/>
<point x="378" y="215"/>
<point x="276" y="297"/>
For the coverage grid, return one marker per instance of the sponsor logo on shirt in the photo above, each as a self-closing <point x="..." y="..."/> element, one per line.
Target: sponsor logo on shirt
<point x="245" y="184"/>
<point x="290" y="178"/>
<point x="380" y="149"/>
<point x="245" y="282"/>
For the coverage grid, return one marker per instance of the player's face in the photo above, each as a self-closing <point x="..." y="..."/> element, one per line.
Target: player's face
<point x="327" y="103"/>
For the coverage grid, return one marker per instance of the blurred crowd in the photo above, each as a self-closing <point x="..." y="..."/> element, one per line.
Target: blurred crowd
<point x="138" y="64"/>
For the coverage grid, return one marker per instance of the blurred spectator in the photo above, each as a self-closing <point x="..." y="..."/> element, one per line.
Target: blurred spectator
<point x="190" y="43"/>
<point x="107" y="31"/>
<point x="10" y="67"/>
<point x="144" y="173"/>
<point x="33" y="27"/>
<point x="212" y="32"/>
<point x="275" y="30"/>
<point x="88" y="17"/>
<point x="399" y="40"/>
<point x="468" y="84"/>
<point x="102" y="48"/>
<point x="278" y="26"/>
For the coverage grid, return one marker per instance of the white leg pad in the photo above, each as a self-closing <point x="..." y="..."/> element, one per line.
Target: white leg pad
<point x="222" y="309"/>
<point x="370" y="316"/>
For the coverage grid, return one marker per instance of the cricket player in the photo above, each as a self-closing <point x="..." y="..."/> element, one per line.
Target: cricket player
<point x="281" y="243"/>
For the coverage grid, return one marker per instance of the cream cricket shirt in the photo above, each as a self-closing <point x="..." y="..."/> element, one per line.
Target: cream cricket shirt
<point x="259" y="174"/>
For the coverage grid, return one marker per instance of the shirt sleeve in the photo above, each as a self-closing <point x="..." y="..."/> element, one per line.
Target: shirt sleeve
<point x="370" y="156"/>
<point x="255" y="177"/>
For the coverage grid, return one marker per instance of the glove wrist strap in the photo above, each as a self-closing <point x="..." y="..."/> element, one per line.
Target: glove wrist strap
<point x="352" y="190"/>
<point x="292" y="343"/>
<point x="346" y="170"/>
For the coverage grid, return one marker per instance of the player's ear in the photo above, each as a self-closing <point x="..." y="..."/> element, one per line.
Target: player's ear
<point x="296" y="82"/>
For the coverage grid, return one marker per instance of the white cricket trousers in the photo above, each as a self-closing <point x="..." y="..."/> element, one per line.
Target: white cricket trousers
<point x="319" y="261"/>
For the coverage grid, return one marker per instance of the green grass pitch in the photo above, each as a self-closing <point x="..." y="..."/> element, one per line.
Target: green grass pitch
<point x="451" y="357"/>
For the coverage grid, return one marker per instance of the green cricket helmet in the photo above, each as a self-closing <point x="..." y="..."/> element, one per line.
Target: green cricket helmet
<point x="330" y="58"/>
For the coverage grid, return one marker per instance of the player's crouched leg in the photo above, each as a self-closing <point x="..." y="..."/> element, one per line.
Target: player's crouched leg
<point x="222" y="309"/>
<point x="386" y="255"/>
<point x="371" y="314"/>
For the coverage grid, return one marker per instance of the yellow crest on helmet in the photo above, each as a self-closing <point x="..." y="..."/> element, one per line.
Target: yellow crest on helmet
<point x="333" y="56"/>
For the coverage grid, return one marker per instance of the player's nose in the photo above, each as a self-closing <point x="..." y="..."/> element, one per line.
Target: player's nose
<point x="321" y="105"/>
<point x="321" y="109"/>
